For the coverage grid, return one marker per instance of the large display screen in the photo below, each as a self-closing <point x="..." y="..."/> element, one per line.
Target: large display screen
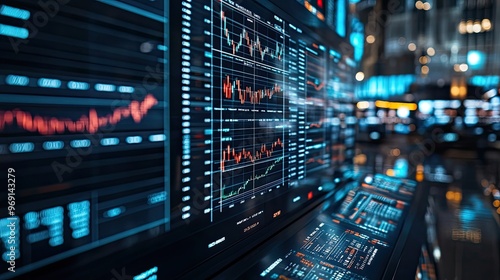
<point x="132" y="128"/>
<point x="84" y="127"/>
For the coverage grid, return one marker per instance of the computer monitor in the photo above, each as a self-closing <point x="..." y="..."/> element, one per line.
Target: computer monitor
<point x="153" y="138"/>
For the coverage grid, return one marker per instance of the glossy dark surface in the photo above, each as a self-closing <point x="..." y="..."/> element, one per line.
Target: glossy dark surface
<point x="462" y="220"/>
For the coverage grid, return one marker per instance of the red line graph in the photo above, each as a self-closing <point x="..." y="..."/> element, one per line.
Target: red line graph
<point x="311" y="160"/>
<point x="316" y="87"/>
<point x="86" y="123"/>
<point x="318" y="125"/>
<point x="244" y="38"/>
<point x="229" y="154"/>
<point x="247" y="94"/>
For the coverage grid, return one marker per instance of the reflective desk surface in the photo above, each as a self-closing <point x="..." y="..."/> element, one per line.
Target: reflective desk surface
<point x="463" y="211"/>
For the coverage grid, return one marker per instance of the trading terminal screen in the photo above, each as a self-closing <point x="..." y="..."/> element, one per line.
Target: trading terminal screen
<point x="353" y="239"/>
<point x="156" y="127"/>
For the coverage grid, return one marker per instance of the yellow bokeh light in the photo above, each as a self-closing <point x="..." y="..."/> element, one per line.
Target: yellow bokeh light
<point x="476" y="27"/>
<point x="450" y="195"/>
<point x="395" y="152"/>
<point x="395" y="105"/>
<point x="363" y="105"/>
<point x="462" y="91"/>
<point x="431" y="51"/>
<point x="360" y="159"/>
<point x="486" y="24"/>
<point x="425" y="69"/>
<point x="370" y="39"/>
<point x="454" y="91"/>
<point x="469" y="26"/>
<point x="360" y="76"/>
<point x="412" y="47"/>
<point x="420" y="168"/>
<point x="496" y="203"/>
<point x="462" y="28"/>
<point x="419" y="177"/>
<point x="390" y="172"/>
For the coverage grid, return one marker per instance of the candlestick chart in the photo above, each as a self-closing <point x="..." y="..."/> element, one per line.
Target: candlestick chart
<point x="250" y="101"/>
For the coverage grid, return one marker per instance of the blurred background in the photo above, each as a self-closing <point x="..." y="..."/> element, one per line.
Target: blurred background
<point x="428" y="108"/>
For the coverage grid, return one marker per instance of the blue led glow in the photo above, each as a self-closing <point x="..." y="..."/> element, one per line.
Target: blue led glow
<point x="357" y="38"/>
<point x="450" y="137"/>
<point x="476" y="59"/>
<point x="9" y="11"/>
<point x="80" y="143"/>
<point x="157" y="137"/>
<point x="53" y="218"/>
<point x="368" y="179"/>
<point x="26" y="147"/>
<point x="341" y="17"/>
<point x="374" y="135"/>
<point x="110" y="141"/>
<point x="403" y="112"/>
<point x="80" y="233"/>
<point x="471" y="120"/>
<point x="442" y="119"/>
<point x="133" y="139"/>
<point x="335" y="53"/>
<point x="31" y="220"/>
<point x="384" y="87"/>
<point x="147" y="275"/>
<point x="351" y="62"/>
<point x="56" y="241"/>
<point x="157" y="197"/>
<point x="114" y="212"/>
<point x="53" y="145"/>
<point x="105" y="87"/>
<point x="49" y="83"/>
<point x="425" y="106"/>
<point x="13" y="31"/>
<point x="467" y="215"/>
<point x="401" y="168"/>
<point x="401" y="128"/>
<point x="16" y="80"/>
<point x="492" y="137"/>
<point x="486" y="82"/>
<point x="78" y="85"/>
<point x="125" y="89"/>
